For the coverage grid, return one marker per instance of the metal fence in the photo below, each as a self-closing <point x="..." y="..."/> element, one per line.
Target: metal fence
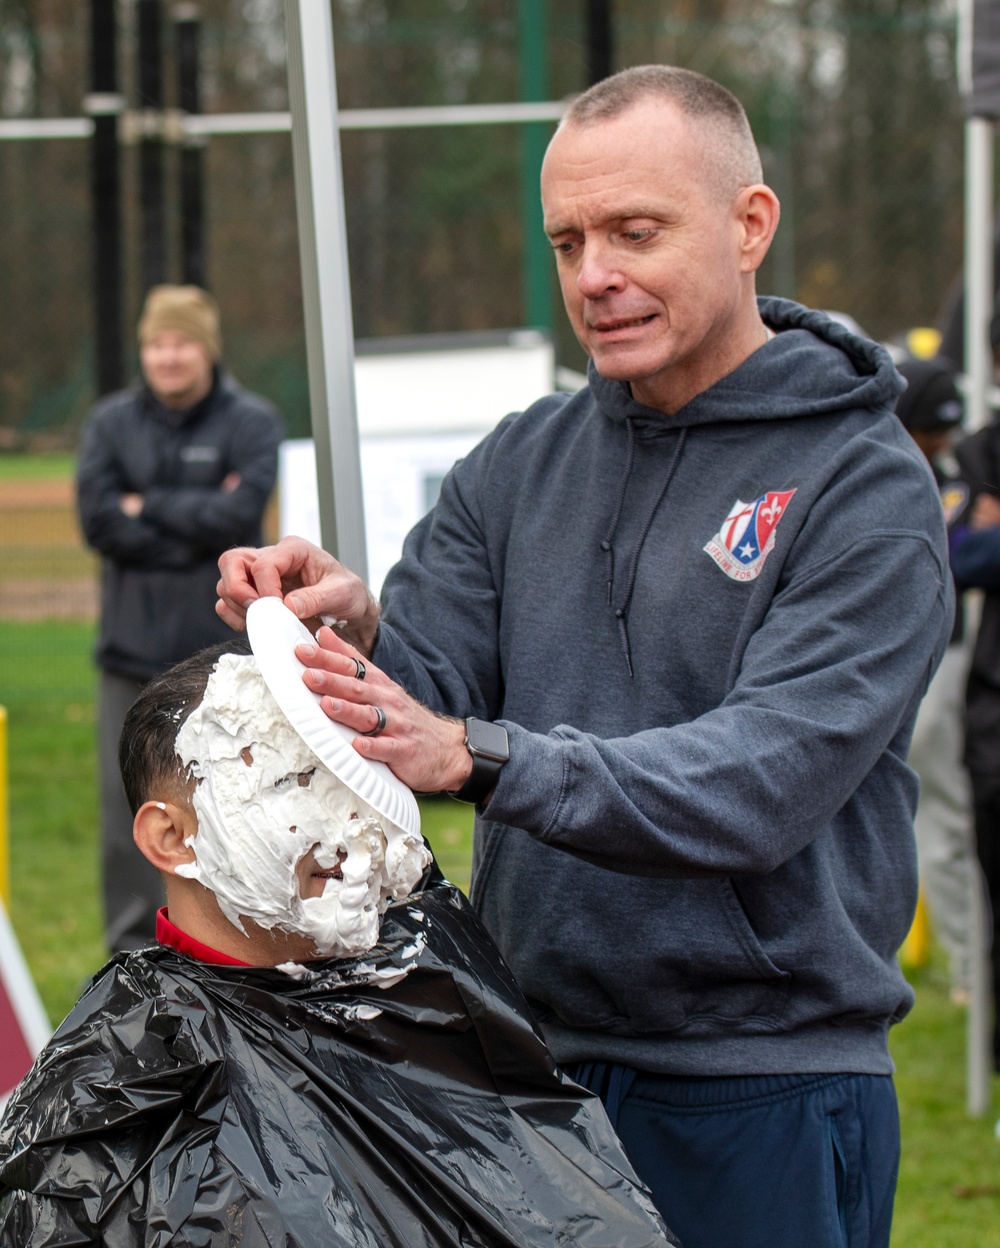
<point x="855" y="109"/>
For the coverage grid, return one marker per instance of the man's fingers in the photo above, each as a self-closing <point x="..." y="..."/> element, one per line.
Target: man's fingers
<point x="237" y="620"/>
<point x="237" y="585"/>
<point x="363" y="718"/>
<point x="316" y="600"/>
<point x="248" y="573"/>
<point x="340" y="681"/>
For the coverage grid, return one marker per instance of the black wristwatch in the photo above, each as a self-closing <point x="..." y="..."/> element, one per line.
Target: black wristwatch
<point x="490" y="748"/>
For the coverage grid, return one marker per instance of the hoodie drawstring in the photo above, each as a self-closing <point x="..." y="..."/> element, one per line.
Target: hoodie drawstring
<point x="621" y="611"/>
<point x="627" y="472"/>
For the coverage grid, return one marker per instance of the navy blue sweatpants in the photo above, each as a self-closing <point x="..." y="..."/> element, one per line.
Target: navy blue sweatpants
<point x="764" y="1161"/>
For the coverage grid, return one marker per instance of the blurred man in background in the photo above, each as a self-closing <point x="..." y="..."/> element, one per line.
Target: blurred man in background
<point x="931" y="410"/>
<point x="171" y="472"/>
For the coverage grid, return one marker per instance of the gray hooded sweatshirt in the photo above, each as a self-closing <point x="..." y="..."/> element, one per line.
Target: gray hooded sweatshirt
<point x="707" y="635"/>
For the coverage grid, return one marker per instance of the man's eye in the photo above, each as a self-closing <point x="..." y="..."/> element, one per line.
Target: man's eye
<point x="636" y="236"/>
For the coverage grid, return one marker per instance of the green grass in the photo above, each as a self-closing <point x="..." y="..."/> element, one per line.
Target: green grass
<point x="15" y="466"/>
<point x="949" y="1182"/>
<point x="949" y="1189"/>
<point x="47" y="662"/>
<point x="47" y="685"/>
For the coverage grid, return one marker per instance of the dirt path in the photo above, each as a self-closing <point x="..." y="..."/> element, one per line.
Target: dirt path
<point x="21" y="495"/>
<point x="45" y="567"/>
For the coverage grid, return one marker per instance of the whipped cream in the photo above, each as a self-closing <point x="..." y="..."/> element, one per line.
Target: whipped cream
<point x="273" y="821"/>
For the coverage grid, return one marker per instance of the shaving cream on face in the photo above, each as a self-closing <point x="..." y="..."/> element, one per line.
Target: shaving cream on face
<point x="264" y="801"/>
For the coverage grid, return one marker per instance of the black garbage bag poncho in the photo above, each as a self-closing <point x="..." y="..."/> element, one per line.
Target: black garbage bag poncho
<point x="400" y="1098"/>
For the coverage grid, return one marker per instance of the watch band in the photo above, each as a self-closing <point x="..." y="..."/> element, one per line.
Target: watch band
<point x="482" y="781"/>
<point x="488" y="758"/>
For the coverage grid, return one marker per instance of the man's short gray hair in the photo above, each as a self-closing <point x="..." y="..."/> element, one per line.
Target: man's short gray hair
<point x="733" y="154"/>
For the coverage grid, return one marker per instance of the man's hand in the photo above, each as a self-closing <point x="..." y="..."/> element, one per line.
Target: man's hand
<point x="131" y="504"/>
<point x="424" y="750"/>
<point x="311" y="583"/>
<point x="985" y="512"/>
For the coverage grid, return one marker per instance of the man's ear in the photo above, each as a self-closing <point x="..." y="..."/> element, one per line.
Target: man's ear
<point x="161" y="829"/>
<point x="758" y="212"/>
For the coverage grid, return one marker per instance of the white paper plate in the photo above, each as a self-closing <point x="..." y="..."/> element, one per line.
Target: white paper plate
<point x="274" y="633"/>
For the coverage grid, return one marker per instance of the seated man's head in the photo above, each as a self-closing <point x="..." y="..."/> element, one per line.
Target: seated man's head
<point x="265" y="854"/>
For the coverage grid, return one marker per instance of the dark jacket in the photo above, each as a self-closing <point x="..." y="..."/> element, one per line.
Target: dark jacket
<point x="707" y="635"/>
<point x="398" y="1098"/>
<point x="159" y="570"/>
<point x="975" y="558"/>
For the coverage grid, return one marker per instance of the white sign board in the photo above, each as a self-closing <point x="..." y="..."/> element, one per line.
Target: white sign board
<point x="419" y="410"/>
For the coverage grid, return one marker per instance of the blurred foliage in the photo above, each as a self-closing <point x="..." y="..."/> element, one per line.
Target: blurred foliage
<point x="854" y="104"/>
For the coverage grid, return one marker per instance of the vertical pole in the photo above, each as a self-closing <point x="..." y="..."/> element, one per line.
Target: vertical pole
<point x="153" y="248"/>
<point x="979" y="293"/>
<point x="326" y="286"/>
<point x="192" y="152"/>
<point x="104" y="104"/>
<point x="536" y="258"/>
<point x="978" y="267"/>
<point x="600" y="44"/>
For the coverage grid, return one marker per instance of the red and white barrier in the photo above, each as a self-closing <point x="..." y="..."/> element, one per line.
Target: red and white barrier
<point x="24" y="1027"/>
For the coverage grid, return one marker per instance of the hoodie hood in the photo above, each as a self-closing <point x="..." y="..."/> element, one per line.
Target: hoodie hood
<point x="813" y="365"/>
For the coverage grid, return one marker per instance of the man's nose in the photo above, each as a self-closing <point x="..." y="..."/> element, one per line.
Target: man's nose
<point x="599" y="271"/>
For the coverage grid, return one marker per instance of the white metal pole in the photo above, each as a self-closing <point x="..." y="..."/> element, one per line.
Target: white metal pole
<point x="978" y="267"/>
<point x="326" y="287"/>
<point x="979" y="382"/>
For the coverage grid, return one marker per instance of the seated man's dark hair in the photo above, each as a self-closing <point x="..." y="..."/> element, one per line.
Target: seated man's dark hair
<point x="146" y="753"/>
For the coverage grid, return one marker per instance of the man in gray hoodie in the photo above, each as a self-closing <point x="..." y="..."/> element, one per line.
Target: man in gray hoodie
<point x="687" y="616"/>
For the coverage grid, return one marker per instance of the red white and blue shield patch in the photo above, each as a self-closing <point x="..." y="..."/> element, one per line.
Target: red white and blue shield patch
<point x="746" y="537"/>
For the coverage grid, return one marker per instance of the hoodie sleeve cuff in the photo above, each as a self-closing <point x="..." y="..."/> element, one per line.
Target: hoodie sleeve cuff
<point x="529" y="792"/>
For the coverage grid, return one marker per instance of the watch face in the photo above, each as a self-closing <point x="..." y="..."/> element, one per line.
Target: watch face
<point x="486" y="738"/>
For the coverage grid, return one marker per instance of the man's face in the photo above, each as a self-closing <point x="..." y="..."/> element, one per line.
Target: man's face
<point x="177" y="368"/>
<point x="648" y="254"/>
<point x="281" y="841"/>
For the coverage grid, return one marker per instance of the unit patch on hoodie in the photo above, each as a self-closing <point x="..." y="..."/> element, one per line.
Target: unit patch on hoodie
<point x="746" y="537"/>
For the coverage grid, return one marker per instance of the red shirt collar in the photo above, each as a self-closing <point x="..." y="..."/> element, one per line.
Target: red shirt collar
<point x="168" y="934"/>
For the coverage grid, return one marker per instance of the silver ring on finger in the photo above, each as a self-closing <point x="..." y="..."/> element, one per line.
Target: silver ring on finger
<point x="380" y="725"/>
<point x="362" y="670"/>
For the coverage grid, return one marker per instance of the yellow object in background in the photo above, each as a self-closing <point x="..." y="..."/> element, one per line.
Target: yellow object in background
<point x="923" y="342"/>
<point x="4" y="814"/>
<point x="916" y="948"/>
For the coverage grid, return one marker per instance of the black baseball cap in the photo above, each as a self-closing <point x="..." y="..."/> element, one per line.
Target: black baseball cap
<point x="931" y="402"/>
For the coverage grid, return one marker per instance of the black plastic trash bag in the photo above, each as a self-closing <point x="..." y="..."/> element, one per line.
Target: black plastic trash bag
<point x="401" y="1098"/>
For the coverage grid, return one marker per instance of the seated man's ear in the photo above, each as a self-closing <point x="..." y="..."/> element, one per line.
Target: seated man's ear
<point x="161" y="829"/>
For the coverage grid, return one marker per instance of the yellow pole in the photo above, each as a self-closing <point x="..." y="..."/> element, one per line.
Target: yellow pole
<point x="4" y="815"/>
<point x="916" y="950"/>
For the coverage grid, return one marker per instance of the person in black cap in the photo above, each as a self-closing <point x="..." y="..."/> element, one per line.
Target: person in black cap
<point x="931" y="409"/>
